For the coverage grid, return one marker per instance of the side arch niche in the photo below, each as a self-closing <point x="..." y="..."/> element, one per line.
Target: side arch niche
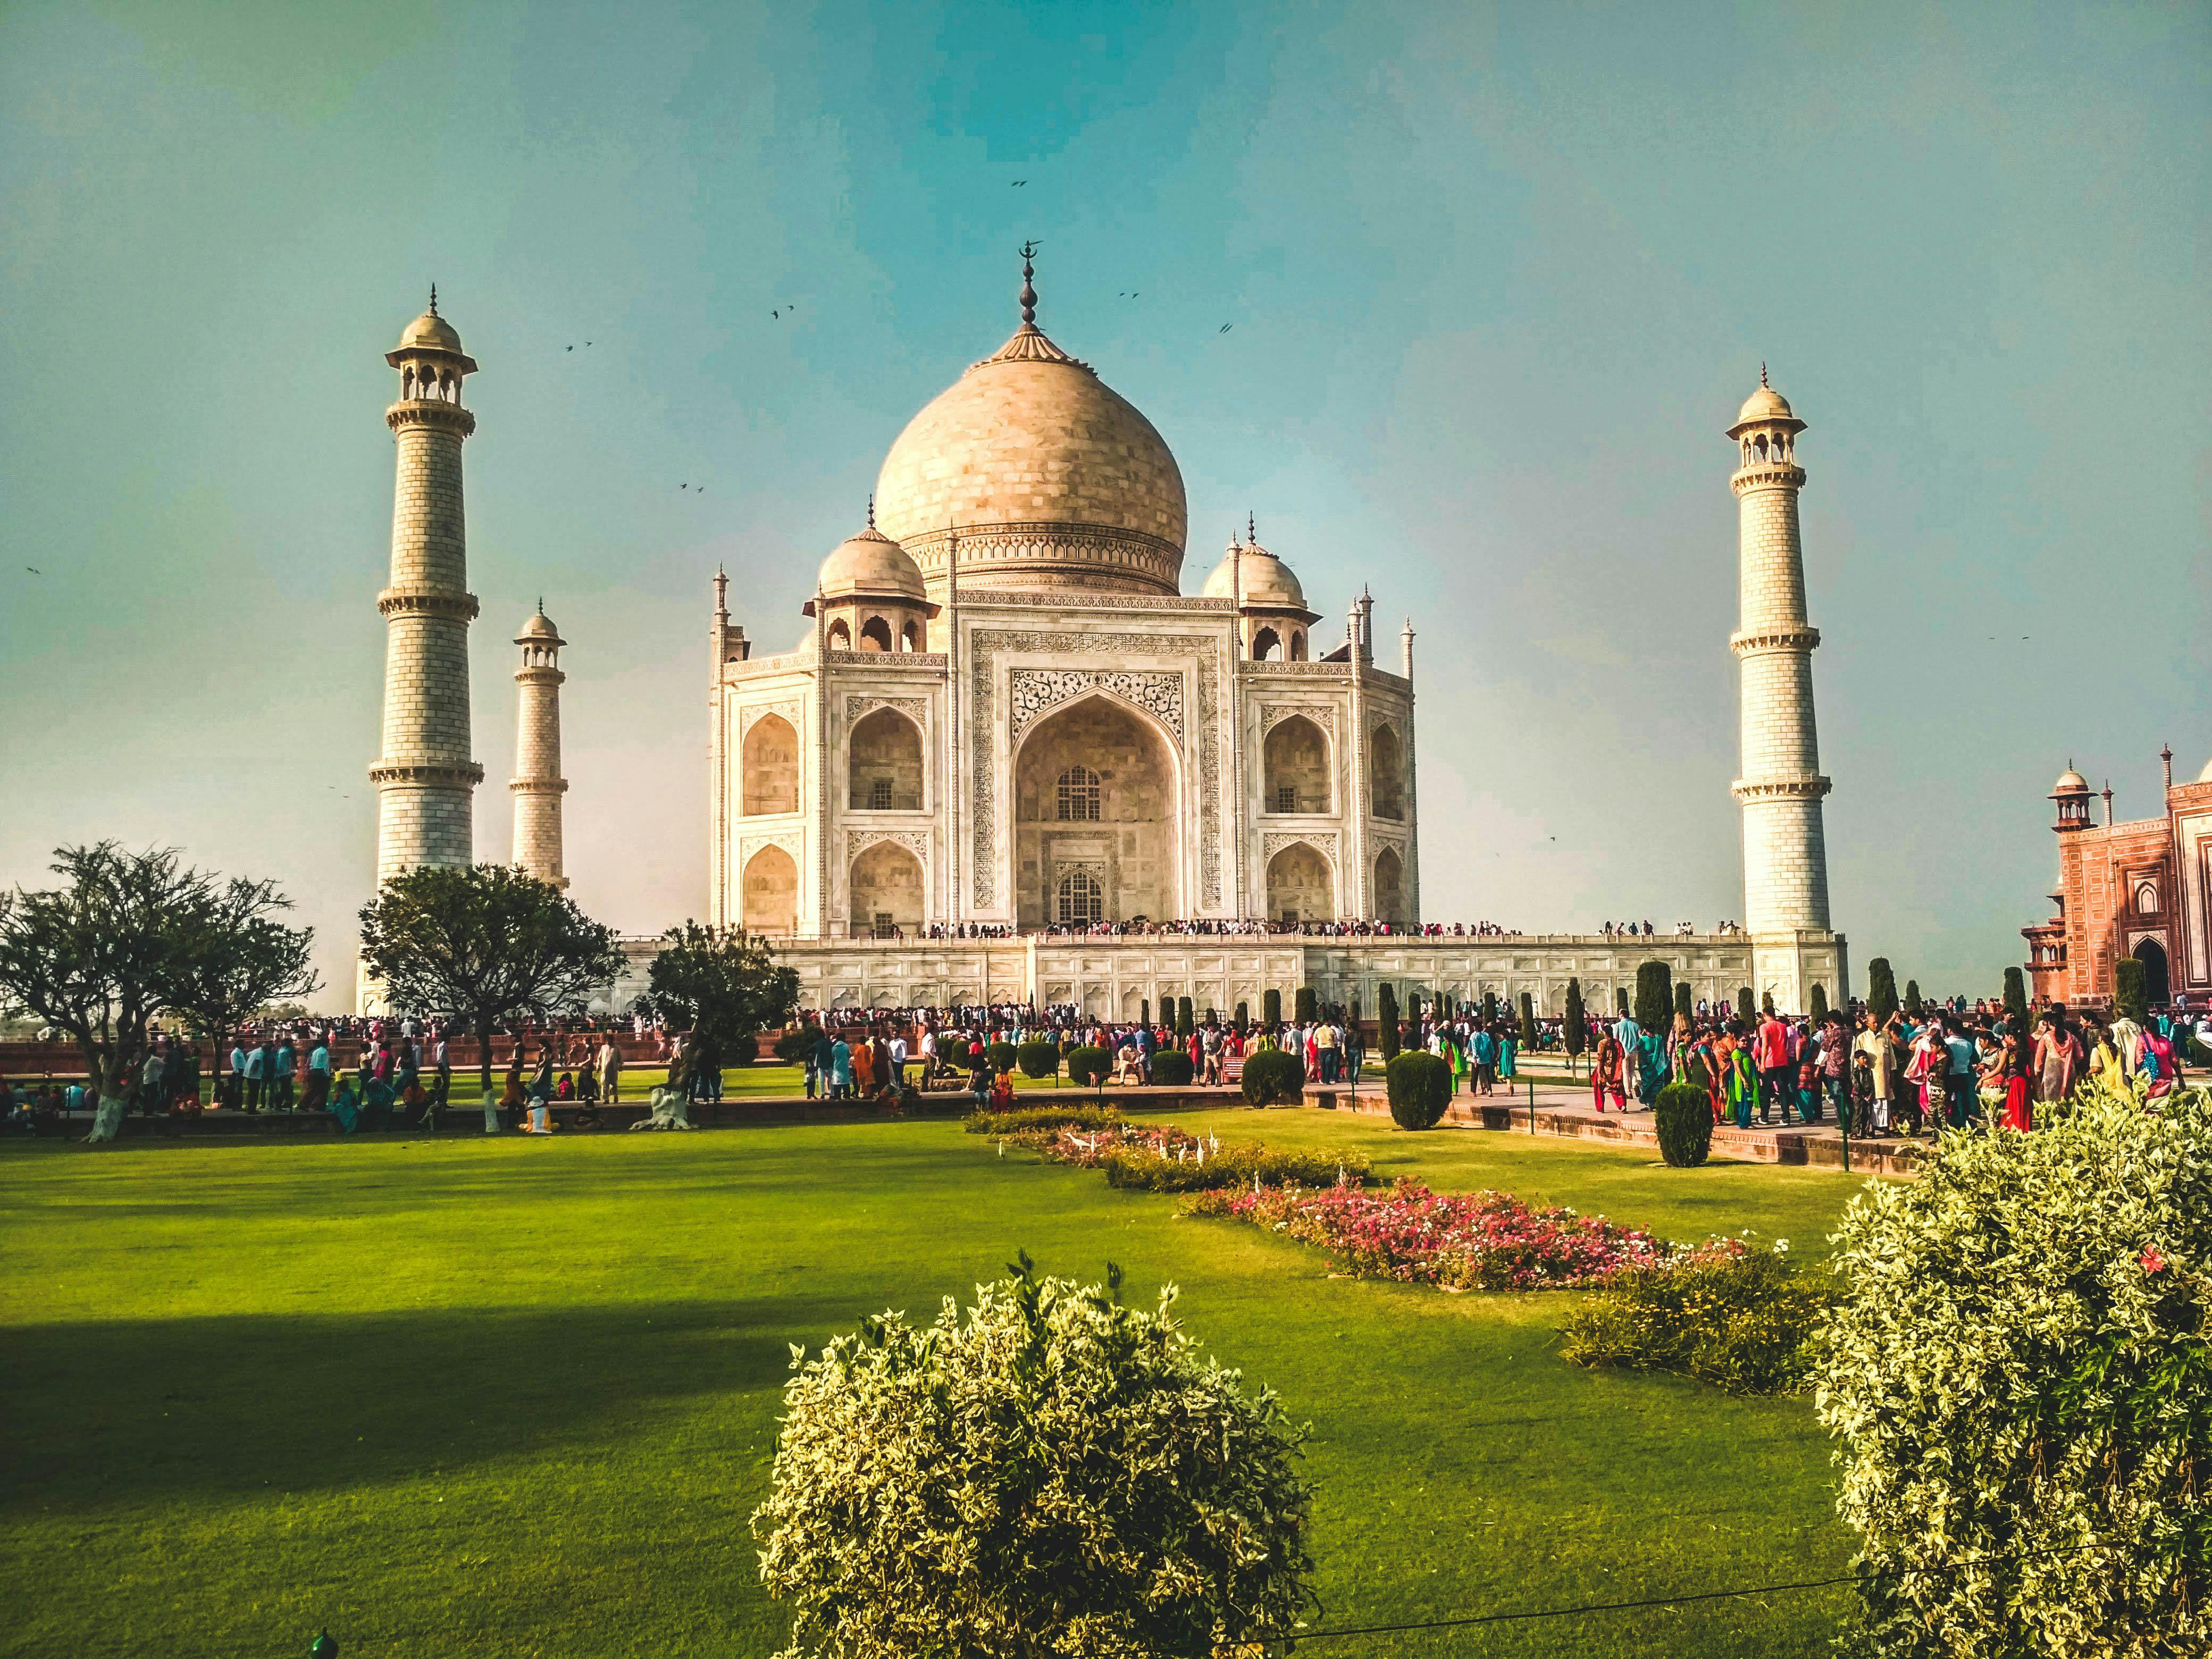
<point x="1386" y="770"/>
<point x="886" y="890"/>
<point x="769" y="768"/>
<point x="1390" y="887"/>
<point x="1294" y="765"/>
<point x="883" y="764"/>
<point x="1096" y="788"/>
<point x="1300" y="887"/>
<point x="771" y="892"/>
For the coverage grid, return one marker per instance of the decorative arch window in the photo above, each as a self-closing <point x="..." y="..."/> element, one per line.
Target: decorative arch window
<point x="840" y="635"/>
<point x="910" y="637"/>
<point x="876" y="634"/>
<point x="1078" y="796"/>
<point x="2146" y="899"/>
<point x="1078" y="900"/>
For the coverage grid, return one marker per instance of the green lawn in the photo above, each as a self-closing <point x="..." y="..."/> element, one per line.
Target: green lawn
<point x="518" y="1397"/>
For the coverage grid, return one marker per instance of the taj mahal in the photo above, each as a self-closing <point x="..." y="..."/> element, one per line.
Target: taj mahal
<point x="1006" y="723"/>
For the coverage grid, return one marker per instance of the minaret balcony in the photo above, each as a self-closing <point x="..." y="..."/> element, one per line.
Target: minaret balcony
<point x="1768" y="475"/>
<point x="1749" y="790"/>
<point x="429" y="774"/>
<point x="430" y="412"/>
<point x="428" y="602"/>
<point x="1757" y="642"/>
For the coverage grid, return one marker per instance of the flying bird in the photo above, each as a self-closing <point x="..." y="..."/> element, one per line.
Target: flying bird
<point x="34" y="570"/>
<point x="1018" y="183"/>
<point x="571" y="348"/>
<point x="1226" y="327"/>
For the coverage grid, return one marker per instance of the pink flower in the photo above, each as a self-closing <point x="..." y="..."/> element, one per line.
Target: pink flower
<point x="2151" y="1261"/>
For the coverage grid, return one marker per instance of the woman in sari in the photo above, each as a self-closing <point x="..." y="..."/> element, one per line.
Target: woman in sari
<point x="864" y="1069"/>
<point x="2013" y="1073"/>
<point x="345" y="1106"/>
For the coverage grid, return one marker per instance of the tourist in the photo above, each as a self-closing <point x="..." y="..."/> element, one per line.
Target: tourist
<point x="1485" y="1061"/>
<point x="2057" y="1057"/>
<point x="841" y="1069"/>
<point x="1777" y="1076"/>
<point x="1605" y="1074"/>
<point x="283" y="1061"/>
<point x="2014" y="1066"/>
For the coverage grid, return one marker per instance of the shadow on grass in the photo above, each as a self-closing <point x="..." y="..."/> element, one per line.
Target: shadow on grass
<point x="165" y="1409"/>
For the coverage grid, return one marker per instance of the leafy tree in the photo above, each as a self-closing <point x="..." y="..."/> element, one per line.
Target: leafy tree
<point x="1655" y="995"/>
<point x="485" y="943"/>
<point x="1050" y="1473"/>
<point x="2018" y="1375"/>
<point x="2130" y="996"/>
<point x="1305" y="1007"/>
<point x="238" y="958"/>
<point x="125" y="935"/>
<point x="1576" y="1036"/>
<point x="1386" y="1021"/>
<point x="1819" y="1009"/>
<point x="2015" y="998"/>
<point x="1881" y="990"/>
<point x="1271" y="1009"/>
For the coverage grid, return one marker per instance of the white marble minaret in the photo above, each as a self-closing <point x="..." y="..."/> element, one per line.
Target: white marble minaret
<point x="1785" y="861"/>
<point x="537" y="783"/>
<point x="425" y="778"/>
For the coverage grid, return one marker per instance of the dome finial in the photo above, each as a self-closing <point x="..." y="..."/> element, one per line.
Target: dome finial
<point x="1762" y="373"/>
<point x="871" y="510"/>
<point x="1028" y="290"/>
<point x="1251" y="529"/>
<point x="434" y="299"/>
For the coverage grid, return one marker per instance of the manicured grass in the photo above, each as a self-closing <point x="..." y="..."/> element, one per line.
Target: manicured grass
<point x="518" y="1397"/>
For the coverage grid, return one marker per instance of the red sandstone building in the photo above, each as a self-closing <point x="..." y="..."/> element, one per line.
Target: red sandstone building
<point x="2139" y="889"/>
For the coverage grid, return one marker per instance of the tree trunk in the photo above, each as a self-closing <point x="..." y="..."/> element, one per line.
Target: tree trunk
<point x="109" y="1073"/>
<point x="484" y="1058"/>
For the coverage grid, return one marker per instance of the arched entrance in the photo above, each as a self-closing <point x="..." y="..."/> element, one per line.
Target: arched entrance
<point x="885" y="889"/>
<point x="1390" y="887"/>
<point x="770" y="893"/>
<point x="883" y="765"/>
<point x="1386" y="760"/>
<point x="1094" y="796"/>
<point x="1294" y="765"/>
<point x="1299" y="886"/>
<point x="2157" y="986"/>
<point x="768" y="763"/>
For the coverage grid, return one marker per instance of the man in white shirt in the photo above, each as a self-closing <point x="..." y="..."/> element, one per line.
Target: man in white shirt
<point x="898" y="1061"/>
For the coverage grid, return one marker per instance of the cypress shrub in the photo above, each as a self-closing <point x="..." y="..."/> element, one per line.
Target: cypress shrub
<point x="1528" y="1023"/>
<point x="1913" y="998"/>
<point x="1766" y="1002"/>
<point x="1682" y="1005"/>
<point x="1273" y="1078"/>
<point x="1386" y="1022"/>
<point x="1684" y="1119"/>
<point x="1171" y="1068"/>
<point x="1243" y="1017"/>
<point x="1743" y="1002"/>
<point x="1820" y="1009"/>
<point x="1655" y="995"/>
<point x="1620" y="999"/>
<point x="1578" y="1020"/>
<point x="1414" y="1008"/>
<point x="1420" y="1087"/>
<point x="2129" y="995"/>
<point x="1881" y="990"/>
<point x="1144" y="1010"/>
<point x="1304" y="1008"/>
<point x="1038" y="1057"/>
<point x="1490" y="1007"/>
<point x="1186" y="1022"/>
<point x="1089" y="1067"/>
<point x="1167" y="1007"/>
<point x="1271" y="1009"/>
<point x="2015" y="998"/>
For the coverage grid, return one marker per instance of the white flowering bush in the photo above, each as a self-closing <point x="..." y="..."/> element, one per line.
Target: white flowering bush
<point x="2020" y="1372"/>
<point x="1050" y="1474"/>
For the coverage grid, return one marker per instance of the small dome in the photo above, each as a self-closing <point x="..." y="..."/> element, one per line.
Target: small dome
<point x="871" y="564"/>
<point x="2071" y="782"/>
<point x="1765" y="407"/>
<point x="1265" y="581"/>
<point x="539" y="630"/>
<point x="432" y="332"/>
<point x="2205" y="776"/>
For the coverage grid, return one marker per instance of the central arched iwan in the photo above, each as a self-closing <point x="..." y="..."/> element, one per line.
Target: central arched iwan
<point x="883" y="769"/>
<point x="1096" y="793"/>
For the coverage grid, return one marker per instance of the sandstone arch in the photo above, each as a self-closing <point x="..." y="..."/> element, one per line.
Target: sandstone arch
<point x="769" y="765"/>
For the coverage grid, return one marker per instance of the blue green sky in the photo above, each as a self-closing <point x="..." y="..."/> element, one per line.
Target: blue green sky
<point x="1498" y="279"/>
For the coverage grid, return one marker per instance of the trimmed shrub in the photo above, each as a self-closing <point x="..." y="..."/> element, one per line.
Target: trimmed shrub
<point x="1143" y="1170"/>
<point x="1243" y="1017"/>
<point x="1655" y="995"/>
<point x="2017" y="1368"/>
<point x="1528" y="1023"/>
<point x="1820" y="1000"/>
<point x="1766" y="1002"/>
<point x="1913" y="998"/>
<point x="1684" y="1118"/>
<point x="2130" y="996"/>
<point x="1273" y="1078"/>
<point x="994" y="1483"/>
<point x="2015" y="998"/>
<point x="1620" y="1004"/>
<point x="999" y="1056"/>
<point x="1089" y="1067"/>
<point x="1144" y="1010"/>
<point x="1024" y="1118"/>
<point x="1305" y="1007"/>
<point x="1881" y="990"/>
<point x="1741" y="1320"/>
<point x="1186" y="1019"/>
<point x="1386" y="1022"/>
<point x="1038" y="1057"/>
<point x="1577" y="1034"/>
<point x="1421" y="1088"/>
<point x="1682" y="1003"/>
<point x="795" y="1044"/>
<point x="1171" y="1068"/>
<point x="1271" y="1009"/>
<point x="1743" y="1002"/>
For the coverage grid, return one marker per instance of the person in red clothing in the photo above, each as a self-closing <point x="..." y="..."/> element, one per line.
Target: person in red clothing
<point x="1778" y="1073"/>
<point x="1605" y="1075"/>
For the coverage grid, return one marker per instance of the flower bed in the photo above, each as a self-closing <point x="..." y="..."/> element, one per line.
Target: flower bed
<point x="1484" y="1241"/>
<point x="1163" y="1157"/>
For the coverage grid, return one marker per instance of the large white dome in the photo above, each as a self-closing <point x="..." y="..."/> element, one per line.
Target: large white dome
<point x="1050" y="478"/>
